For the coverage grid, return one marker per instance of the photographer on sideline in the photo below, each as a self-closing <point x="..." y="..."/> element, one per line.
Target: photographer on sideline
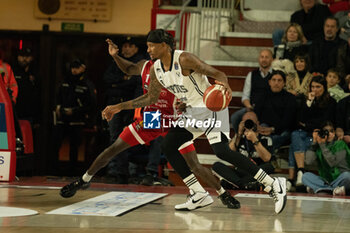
<point x="255" y="146"/>
<point x="333" y="158"/>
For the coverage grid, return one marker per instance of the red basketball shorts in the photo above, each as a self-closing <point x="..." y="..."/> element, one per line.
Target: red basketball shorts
<point x="135" y="134"/>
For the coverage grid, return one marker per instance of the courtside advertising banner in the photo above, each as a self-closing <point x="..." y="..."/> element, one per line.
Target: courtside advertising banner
<point x="5" y="161"/>
<point x="3" y="131"/>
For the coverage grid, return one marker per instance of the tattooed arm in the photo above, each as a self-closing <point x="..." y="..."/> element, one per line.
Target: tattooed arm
<point x="149" y="98"/>
<point x="190" y="63"/>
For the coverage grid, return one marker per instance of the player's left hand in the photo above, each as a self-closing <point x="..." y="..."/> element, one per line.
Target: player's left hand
<point x="110" y="110"/>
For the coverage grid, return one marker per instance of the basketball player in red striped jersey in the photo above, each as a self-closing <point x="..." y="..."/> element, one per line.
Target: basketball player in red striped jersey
<point x="135" y="134"/>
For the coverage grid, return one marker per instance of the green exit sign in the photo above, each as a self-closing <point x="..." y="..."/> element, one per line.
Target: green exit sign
<point x="72" y="27"/>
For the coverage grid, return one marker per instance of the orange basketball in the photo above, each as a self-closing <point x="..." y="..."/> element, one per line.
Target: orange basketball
<point x="215" y="99"/>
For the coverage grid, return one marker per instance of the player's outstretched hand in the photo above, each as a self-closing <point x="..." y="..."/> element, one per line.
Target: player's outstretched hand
<point x="110" y="110"/>
<point x="112" y="48"/>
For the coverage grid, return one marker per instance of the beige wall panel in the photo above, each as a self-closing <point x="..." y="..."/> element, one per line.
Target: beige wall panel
<point x="128" y="17"/>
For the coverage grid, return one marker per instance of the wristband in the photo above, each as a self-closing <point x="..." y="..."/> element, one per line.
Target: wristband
<point x="256" y="143"/>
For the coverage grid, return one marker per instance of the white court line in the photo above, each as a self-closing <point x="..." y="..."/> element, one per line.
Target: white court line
<point x="109" y="204"/>
<point x="6" y="211"/>
<point x="29" y="186"/>
<point x="303" y="198"/>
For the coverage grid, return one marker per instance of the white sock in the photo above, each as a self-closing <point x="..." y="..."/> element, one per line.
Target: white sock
<point x="193" y="184"/>
<point x="87" y="177"/>
<point x="263" y="178"/>
<point x="221" y="191"/>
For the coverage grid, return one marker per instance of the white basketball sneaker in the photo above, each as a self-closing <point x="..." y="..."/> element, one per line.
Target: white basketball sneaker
<point x="279" y="194"/>
<point x="195" y="201"/>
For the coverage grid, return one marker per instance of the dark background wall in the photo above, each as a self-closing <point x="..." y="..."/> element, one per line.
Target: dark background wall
<point x="53" y="52"/>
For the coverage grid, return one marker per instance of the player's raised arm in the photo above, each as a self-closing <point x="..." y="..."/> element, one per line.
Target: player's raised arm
<point x="149" y="98"/>
<point x="192" y="63"/>
<point x="126" y="66"/>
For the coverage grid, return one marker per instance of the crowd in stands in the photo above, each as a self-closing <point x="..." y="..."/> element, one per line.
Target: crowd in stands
<point x="300" y="94"/>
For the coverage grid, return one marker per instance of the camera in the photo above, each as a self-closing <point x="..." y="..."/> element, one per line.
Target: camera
<point x="323" y="133"/>
<point x="249" y="124"/>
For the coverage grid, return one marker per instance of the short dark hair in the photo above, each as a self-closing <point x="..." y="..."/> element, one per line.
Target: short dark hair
<point x="159" y="36"/>
<point x="332" y="70"/>
<point x="332" y="18"/>
<point x="278" y="72"/>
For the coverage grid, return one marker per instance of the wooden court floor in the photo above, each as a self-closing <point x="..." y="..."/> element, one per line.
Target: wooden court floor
<point x="303" y="213"/>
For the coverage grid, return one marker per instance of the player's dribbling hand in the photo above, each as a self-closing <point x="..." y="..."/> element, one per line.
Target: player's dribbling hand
<point x="109" y="111"/>
<point x="112" y="48"/>
<point x="228" y="91"/>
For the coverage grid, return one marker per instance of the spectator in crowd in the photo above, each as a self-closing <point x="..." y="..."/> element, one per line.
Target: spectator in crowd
<point x="343" y="118"/>
<point x="255" y="146"/>
<point x="277" y="112"/>
<point x="74" y="104"/>
<point x="324" y="51"/>
<point x="292" y="43"/>
<point x="316" y="109"/>
<point x="121" y="87"/>
<point x="255" y="87"/>
<point x="335" y="91"/>
<point x="343" y="63"/>
<point x="333" y="159"/>
<point x="344" y="25"/>
<point x="311" y="18"/>
<point x="298" y="85"/>
<point x="28" y="100"/>
<point x="337" y="5"/>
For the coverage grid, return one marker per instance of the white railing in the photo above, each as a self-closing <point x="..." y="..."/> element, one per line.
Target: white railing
<point x="203" y="23"/>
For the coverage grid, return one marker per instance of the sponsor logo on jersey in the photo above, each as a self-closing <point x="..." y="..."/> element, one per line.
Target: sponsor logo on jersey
<point x="177" y="88"/>
<point x="176" y="66"/>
